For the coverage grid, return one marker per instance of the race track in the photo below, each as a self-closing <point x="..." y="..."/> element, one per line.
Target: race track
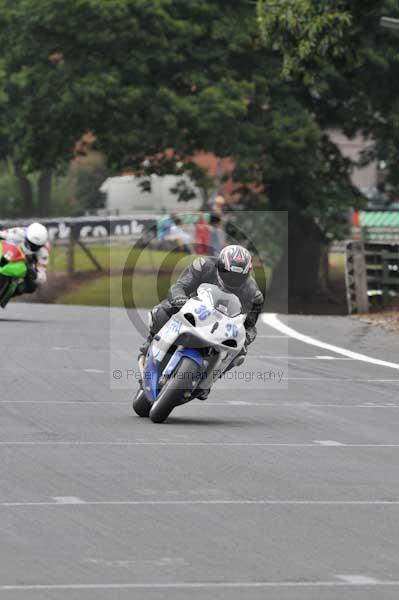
<point x="283" y="485"/>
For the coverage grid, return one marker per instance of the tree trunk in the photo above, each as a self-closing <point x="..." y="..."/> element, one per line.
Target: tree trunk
<point x="44" y="193"/>
<point x="296" y="280"/>
<point x="26" y="192"/>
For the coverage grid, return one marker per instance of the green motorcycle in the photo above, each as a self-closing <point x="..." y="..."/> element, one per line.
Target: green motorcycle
<point x="13" y="269"/>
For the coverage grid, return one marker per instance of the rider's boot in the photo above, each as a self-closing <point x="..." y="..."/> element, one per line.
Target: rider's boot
<point x="203" y="394"/>
<point x="237" y="361"/>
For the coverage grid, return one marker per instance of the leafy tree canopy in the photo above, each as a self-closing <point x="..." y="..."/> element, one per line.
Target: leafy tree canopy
<point x="348" y="63"/>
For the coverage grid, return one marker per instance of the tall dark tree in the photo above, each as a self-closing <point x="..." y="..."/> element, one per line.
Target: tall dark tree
<point x="345" y="67"/>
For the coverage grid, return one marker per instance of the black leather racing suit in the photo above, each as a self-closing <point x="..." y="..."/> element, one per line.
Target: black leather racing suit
<point x="204" y="270"/>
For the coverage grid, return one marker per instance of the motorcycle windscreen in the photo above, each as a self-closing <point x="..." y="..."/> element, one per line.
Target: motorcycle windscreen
<point x="228" y="304"/>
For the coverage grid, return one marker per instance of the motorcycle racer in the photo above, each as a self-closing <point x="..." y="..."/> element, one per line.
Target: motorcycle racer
<point x="33" y="240"/>
<point x="231" y="271"/>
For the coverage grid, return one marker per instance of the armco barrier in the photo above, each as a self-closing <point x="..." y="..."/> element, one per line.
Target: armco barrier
<point x="95" y="228"/>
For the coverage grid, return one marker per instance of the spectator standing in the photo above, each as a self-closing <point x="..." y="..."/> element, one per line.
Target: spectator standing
<point x="201" y="236"/>
<point x="181" y="238"/>
<point x="217" y="238"/>
<point x="218" y="206"/>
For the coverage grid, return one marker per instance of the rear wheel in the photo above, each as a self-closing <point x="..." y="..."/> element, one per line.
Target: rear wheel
<point x="141" y="405"/>
<point x="177" y="390"/>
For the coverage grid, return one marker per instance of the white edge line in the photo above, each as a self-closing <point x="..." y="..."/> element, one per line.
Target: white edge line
<point x="273" y="321"/>
<point x="207" y="585"/>
<point x="201" y="444"/>
<point x="358" y="579"/>
<point x="86" y="503"/>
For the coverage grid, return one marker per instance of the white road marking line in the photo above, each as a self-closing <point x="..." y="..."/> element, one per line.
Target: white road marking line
<point x="273" y="357"/>
<point x="75" y="402"/>
<point x="341" y="379"/>
<point x="359" y="579"/>
<point x="68" y="500"/>
<point x="381" y="380"/>
<point x="298" y="405"/>
<point x="193" y="444"/>
<point x="86" y="503"/>
<point x="283" y="337"/>
<point x="77" y="349"/>
<point x="35" y="370"/>
<point x="196" y="585"/>
<point x="328" y="443"/>
<point x="237" y="403"/>
<point x="273" y="321"/>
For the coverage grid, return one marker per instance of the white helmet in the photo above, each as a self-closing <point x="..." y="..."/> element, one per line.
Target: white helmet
<point x="36" y="236"/>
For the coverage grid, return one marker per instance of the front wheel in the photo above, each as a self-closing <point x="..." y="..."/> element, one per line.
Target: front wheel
<point x="7" y="288"/>
<point x="177" y="390"/>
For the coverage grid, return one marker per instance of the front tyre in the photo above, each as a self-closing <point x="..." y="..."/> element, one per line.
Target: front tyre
<point x="177" y="390"/>
<point x="4" y="290"/>
<point x="141" y="405"/>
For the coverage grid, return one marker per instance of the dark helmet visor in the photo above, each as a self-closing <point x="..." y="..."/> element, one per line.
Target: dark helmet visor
<point x="233" y="280"/>
<point x="33" y="247"/>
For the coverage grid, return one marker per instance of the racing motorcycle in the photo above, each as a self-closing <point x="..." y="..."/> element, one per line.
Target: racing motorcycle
<point x="13" y="269"/>
<point x="193" y="349"/>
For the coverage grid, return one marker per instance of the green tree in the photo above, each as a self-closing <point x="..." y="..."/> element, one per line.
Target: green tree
<point x="346" y="61"/>
<point x="342" y="66"/>
<point x="146" y="77"/>
<point x="127" y="70"/>
<point x="51" y="90"/>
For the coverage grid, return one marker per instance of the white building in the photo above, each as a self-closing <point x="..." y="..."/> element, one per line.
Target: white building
<point x="125" y="195"/>
<point x="364" y="178"/>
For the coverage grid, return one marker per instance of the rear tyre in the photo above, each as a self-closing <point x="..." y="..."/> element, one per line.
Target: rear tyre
<point x="177" y="390"/>
<point x="141" y="405"/>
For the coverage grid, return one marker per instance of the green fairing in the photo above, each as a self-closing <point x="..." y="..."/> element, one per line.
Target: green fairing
<point x="14" y="269"/>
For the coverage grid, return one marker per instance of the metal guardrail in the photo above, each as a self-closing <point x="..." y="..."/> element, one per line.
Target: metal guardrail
<point x="94" y="229"/>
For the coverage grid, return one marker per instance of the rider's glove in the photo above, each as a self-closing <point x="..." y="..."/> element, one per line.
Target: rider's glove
<point x="250" y="335"/>
<point x="179" y="301"/>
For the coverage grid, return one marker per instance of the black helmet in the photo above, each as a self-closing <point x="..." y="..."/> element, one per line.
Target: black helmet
<point x="234" y="266"/>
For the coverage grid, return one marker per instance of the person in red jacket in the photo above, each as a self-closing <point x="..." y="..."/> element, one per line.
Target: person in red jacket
<point x="201" y="236"/>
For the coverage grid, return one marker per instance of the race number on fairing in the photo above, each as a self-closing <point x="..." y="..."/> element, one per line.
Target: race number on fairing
<point x="231" y="330"/>
<point x="203" y="312"/>
<point x="174" y="326"/>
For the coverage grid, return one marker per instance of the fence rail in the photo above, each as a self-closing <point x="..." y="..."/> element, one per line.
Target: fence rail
<point x="372" y="270"/>
<point x="382" y="268"/>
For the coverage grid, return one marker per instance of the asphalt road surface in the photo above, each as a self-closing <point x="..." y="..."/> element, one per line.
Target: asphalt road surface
<point x="284" y="484"/>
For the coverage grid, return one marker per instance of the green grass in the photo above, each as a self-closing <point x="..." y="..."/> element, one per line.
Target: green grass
<point x="337" y="267"/>
<point x="107" y="291"/>
<point x="115" y="258"/>
<point x="156" y="270"/>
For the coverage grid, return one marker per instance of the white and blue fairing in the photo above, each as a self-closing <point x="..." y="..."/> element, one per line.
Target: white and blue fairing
<point x="212" y="319"/>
